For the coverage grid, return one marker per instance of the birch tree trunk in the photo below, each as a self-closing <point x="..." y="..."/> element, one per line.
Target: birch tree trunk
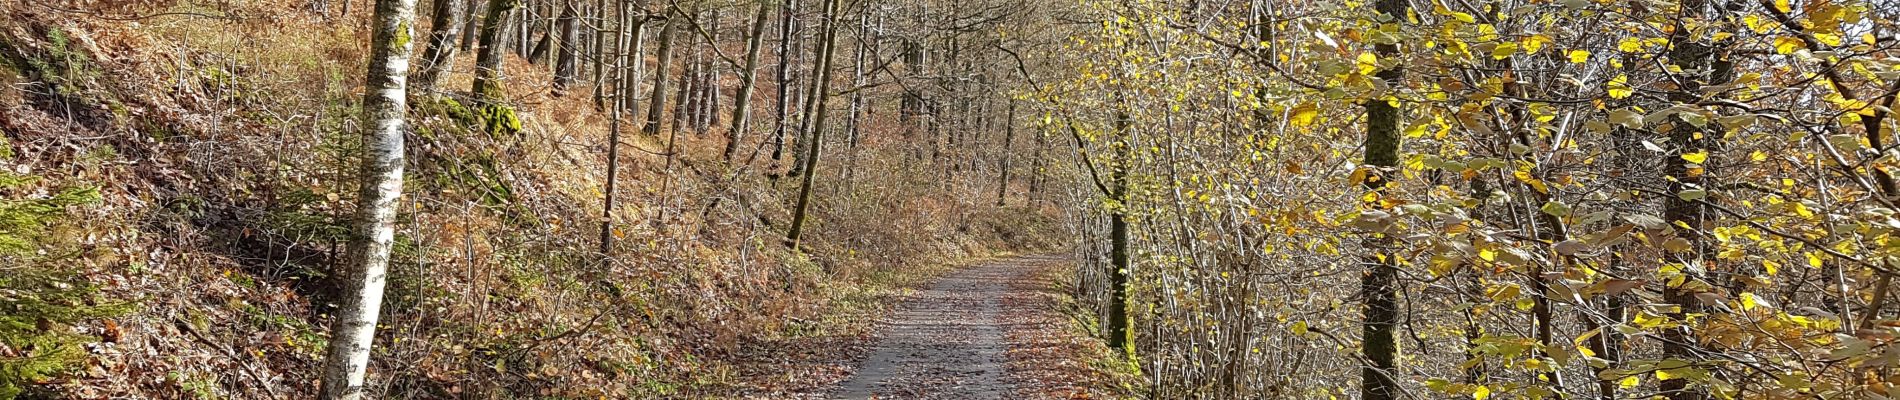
<point x="704" y="116"/>
<point x="354" y="330"/>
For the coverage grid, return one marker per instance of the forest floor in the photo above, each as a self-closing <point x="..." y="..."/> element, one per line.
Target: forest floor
<point x="1001" y="329"/>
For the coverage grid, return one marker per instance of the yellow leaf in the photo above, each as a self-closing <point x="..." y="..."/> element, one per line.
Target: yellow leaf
<point x="1488" y="255"/>
<point x="1368" y="63"/>
<point x="1531" y="44"/>
<point x="1814" y="259"/>
<point x="1782" y="5"/>
<point x="1481" y="393"/>
<point x="1304" y="114"/>
<point x="1697" y="157"/>
<point x="1503" y="50"/>
<point x="1828" y="39"/>
<point x="1579" y="56"/>
<point x="1787" y="45"/>
<point x="1757" y="24"/>
<point x="1630" y="45"/>
<point x="1620" y="87"/>
<point x="1630" y="382"/>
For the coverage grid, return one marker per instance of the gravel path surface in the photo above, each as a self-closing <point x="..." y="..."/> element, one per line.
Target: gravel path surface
<point x="945" y="343"/>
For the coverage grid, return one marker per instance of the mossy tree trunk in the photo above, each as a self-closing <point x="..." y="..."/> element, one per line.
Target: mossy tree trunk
<point x="488" y="54"/>
<point x="820" y="95"/>
<point x="1379" y="282"/>
<point x="385" y="103"/>
<point x="1117" y="328"/>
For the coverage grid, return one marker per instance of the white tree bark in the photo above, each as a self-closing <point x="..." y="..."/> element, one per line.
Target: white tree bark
<point x="384" y="103"/>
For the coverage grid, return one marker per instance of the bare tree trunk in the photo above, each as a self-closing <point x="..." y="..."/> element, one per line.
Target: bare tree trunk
<point x="852" y="120"/>
<point x="468" y="24"/>
<point x="628" y="94"/>
<point x="742" y="100"/>
<point x="546" y="24"/>
<point x="703" y="111"/>
<point x="785" y="55"/>
<point x="686" y="107"/>
<point x="600" y="53"/>
<point x="1680" y="343"/>
<point x="682" y="98"/>
<point x="518" y="32"/>
<point x="440" y="52"/>
<point x="385" y="103"/>
<point x="613" y="144"/>
<point x="570" y="41"/>
<point x="657" y="102"/>
<point x="1035" y="169"/>
<point x="820" y="94"/>
<point x="801" y="139"/>
<point x="1009" y="138"/>
<point x="488" y="55"/>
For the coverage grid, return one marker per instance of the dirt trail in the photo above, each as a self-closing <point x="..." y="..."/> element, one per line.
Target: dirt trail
<point x="948" y="342"/>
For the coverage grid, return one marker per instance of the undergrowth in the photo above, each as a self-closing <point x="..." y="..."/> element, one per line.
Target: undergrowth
<point x="40" y="297"/>
<point x="232" y="150"/>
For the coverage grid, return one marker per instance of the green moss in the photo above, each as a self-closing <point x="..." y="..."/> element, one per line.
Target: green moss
<point x="456" y="111"/>
<point x="155" y="130"/>
<point x="495" y="119"/>
<point x="499" y="120"/>
<point x="402" y="38"/>
<point x="488" y="90"/>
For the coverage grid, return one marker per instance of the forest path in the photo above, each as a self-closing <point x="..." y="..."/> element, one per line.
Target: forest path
<point x="949" y="341"/>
